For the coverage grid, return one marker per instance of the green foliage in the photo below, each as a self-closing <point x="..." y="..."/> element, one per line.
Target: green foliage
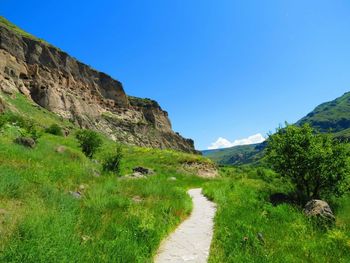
<point x="316" y="164"/>
<point x="89" y="142"/>
<point x="28" y="128"/>
<point x="113" y="161"/>
<point x="250" y="229"/>
<point x="54" y="129"/>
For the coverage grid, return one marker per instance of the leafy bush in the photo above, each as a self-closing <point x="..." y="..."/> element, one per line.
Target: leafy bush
<point x="316" y="164"/>
<point x="89" y="142"/>
<point x="13" y="119"/>
<point x="112" y="162"/>
<point x="31" y="130"/>
<point x="28" y="128"/>
<point x="55" y="130"/>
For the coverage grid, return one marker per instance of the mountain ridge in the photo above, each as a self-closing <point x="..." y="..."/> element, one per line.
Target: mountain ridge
<point x="331" y="116"/>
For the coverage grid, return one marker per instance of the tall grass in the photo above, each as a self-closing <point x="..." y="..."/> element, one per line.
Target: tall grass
<point x="250" y="229"/>
<point x="115" y="220"/>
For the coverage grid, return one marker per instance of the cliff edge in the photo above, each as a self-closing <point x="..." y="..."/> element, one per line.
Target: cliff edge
<point x="73" y="90"/>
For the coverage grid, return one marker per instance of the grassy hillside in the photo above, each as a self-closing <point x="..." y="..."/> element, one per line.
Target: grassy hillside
<point x="236" y="155"/>
<point x="5" y="23"/>
<point x="115" y="220"/>
<point x="124" y="220"/>
<point x="248" y="228"/>
<point x="333" y="116"/>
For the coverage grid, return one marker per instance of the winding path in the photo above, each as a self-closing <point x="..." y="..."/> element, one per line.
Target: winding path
<point x="191" y="240"/>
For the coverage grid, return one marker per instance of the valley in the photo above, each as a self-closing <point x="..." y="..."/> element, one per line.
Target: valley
<point x="91" y="174"/>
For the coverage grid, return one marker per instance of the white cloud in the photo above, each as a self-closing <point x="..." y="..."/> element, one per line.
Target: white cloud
<point x="224" y="143"/>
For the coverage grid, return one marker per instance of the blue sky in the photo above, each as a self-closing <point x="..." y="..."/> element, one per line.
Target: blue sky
<point x="221" y="68"/>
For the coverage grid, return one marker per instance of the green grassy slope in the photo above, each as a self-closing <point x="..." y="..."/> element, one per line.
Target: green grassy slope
<point x="124" y="220"/>
<point x="236" y="155"/>
<point x="248" y="228"/>
<point x="116" y="220"/>
<point x="5" y="23"/>
<point x="333" y="116"/>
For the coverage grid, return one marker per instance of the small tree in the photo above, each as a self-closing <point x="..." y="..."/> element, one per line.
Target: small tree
<point x="316" y="164"/>
<point x="89" y="142"/>
<point x="112" y="162"/>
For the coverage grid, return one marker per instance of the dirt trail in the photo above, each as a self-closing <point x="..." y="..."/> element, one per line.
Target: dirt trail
<point x="191" y="240"/>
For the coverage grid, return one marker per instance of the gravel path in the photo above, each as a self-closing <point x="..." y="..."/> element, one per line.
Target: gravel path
<point x="191" y="240"/>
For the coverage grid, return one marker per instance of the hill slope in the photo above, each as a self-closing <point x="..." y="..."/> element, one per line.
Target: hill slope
<point x="57" y="205"/>
<point x="235" y="155"/>
<point x="73" y="90"/>
<point x="332" y="116"/>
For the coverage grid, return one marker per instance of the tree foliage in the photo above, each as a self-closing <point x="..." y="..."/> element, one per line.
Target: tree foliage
<point x="89" y="142"/>
<point x="316" y="164"/>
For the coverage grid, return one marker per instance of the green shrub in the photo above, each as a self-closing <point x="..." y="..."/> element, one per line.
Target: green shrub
<point x="112" y="162"/>
<point x="32" y="130"/>
<point x="55" y="130"/>
<point x="13" y="119"/>
<point x="28" y="128"/>
<point x="89" y="142"/>
<point x="316" y="164"/>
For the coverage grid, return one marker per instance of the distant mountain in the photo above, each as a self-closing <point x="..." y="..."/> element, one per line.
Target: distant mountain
<point x="236" y="155"/>
<point x="332" y="116"/>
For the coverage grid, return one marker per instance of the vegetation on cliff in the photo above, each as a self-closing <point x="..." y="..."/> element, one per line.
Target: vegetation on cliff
<point x="57" y="205"/>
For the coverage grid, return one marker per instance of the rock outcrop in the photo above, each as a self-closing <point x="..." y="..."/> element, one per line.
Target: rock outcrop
<point x="91" y="99"/>
<point x="319" y="209"/>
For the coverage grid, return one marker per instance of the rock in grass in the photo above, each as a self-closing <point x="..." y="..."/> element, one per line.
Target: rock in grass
<point x="142" y="170"/>
<point x="96" y="173"/>
<point x="137" y="199"/>
<point x="76" y="195"/>
<point x="60" y="149"/>
<point x="25" y="141"/>
<point x="319" y="209"/>
<point x="261" y="238"/>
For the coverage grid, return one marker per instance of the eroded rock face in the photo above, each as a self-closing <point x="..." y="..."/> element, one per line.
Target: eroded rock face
<point x="73" y="90"/>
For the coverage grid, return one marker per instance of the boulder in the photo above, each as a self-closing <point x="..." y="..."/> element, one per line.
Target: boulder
<point x="319" y="209"/>
<point x="76" y="195"/>
<point x="25" y="141"/>
<point x="142" y="170"/>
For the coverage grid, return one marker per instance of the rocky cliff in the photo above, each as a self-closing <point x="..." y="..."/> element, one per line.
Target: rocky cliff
<point x="91" y="99"/>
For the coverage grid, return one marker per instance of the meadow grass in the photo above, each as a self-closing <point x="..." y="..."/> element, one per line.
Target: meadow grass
<point x="115" y="220"/>
<point x="248" y="228"/>
<point x="124" y="220"/>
